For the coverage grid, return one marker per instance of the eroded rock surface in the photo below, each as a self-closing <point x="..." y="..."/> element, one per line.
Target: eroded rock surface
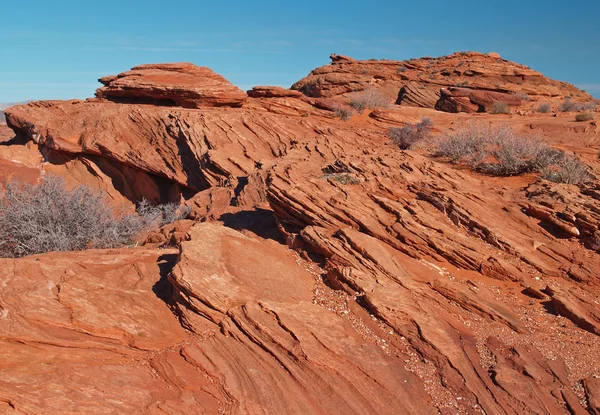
<point x="417" y="82"/>
<point x="322" y="270"/>
<point x="181" y="84"/>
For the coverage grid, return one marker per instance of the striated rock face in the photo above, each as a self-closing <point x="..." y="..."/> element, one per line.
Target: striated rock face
<point x="416" y="82"/>
<point x="321" y="271"/>
<point x="418" y="95"/>
<point x="179" y="84"/>
<point x="469" y="100"/>
<point x="273" y="92"/>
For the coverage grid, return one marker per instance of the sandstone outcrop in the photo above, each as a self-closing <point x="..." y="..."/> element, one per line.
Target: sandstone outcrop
<point x="321" y="271"/>
<point x="416" y="82"/>
<point x="180" y="84"/>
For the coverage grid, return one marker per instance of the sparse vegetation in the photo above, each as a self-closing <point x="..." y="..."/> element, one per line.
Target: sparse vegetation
<point x="584" y="116"/>
<point x="154" y="216"/>
<point x="369" y="98"/>
<point x="567" y="169"/>
<point x="343" y="112"/>
<point x="401" y="69"/>
<point x="50" y="217"/>
<point x="523" y="95"/>
<point x="499" y="151"/>
<point x="342" y="178"/>
<point x="500" y="108"/>
<point x="570" y="106"/>
<point x="544" y="108"/>
<point x="406" y="137"/>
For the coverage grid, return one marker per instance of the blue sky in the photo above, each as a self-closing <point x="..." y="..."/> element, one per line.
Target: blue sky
<point x="56" y="49"/>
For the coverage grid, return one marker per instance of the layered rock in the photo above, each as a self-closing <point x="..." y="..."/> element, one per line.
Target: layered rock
<point x="415" y="81"/>
<point x="332" y="273"/>
<point x="273" y="92"/>
<point x="179" y="84"/>
<point x="418" y="95"/>
<point x="470" y="100"/>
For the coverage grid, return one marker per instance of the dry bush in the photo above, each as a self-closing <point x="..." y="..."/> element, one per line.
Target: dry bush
<point x="584" y="116"/>
<point x="342" y="178"/>
<point x="524" y="96"/>
<point x="50" y="217"/>
<point x="501" y="152"/>
<point x="155" y="216"/>
<point x="466" y="145"/>
<point x="369" y="98"/>
<point x="406" y="137"/>
<point x="568" y="169"/>
<point x="500" y="108"/>
<point x="571" y="106"/>
<point x="544" y="108"/>
<point x="343" y="112"/>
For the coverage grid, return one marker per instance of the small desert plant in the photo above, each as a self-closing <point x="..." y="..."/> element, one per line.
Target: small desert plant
<point x="154" y="216"/>
<point x="343" y="112"/>
<point x="500" y="108"/>
<point x="342" y="178"/>
<point x="568" y="169"/>
<point x="584" y="116"/>
<point x="44" y="217"/>
<point x="544" y="108"/>
<point x="406" y="137"/>
<point x="571" y="106"/>
<point x="524" y="96"/>
<point x="369" y="98"/>
<point x="501" y="152"/>
<point x="401" y="69"/>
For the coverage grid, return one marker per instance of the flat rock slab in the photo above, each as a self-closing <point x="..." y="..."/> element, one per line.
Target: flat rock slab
<point x="179" y="84"/>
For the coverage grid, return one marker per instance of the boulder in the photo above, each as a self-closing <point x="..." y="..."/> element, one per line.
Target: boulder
<point x="172" y="84"/>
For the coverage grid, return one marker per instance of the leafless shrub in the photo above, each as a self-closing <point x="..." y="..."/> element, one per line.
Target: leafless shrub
<point x="466" y="145"/>
<point x="524" y="96"/>
<point x="501" y="152"/>
<point x="342" y="178"/>
<point x="584" y="116"/>
<point x="406" y="137"/>
<point x="568" y="169"/>
<point x="159" y="215"/>
<point x="570" y="106"/>
<point x="50" y="217"/>
<point x="343" y="112"/>
<point x="500" y="108"/>
<point x="544" y="108"/>
<point x="369" y="98"/>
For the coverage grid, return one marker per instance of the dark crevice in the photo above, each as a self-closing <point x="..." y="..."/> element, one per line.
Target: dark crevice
<point x="242" y="182"/>
<point x="163" y="288"/>
<point x="261" y="222"/>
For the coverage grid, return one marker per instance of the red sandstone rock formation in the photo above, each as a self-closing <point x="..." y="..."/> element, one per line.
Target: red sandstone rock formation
<point x="417" y="82"/>
<point x="322" y="270"/>
<point x="181" y="84"/>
